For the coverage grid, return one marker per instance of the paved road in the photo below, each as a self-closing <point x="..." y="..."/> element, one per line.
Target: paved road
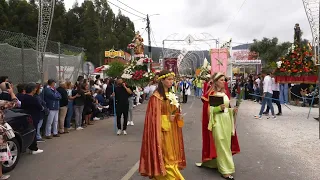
<point x="281" y="149"/>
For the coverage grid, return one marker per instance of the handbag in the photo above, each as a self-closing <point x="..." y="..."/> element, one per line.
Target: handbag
<point x="5" y="154"/>
<point x="8" y="131"/>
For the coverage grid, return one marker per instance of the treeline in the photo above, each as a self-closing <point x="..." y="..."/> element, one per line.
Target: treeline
<point x="92" y="25"/>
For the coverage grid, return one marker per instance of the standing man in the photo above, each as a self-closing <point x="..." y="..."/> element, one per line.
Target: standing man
<point x="267" y="96"/>
<point x="276" y="92"/>
<point x="185" y="86"/>
<point x="257" y="88"/>
<point x="52" y="98"/>
<point x="122" y="93"/>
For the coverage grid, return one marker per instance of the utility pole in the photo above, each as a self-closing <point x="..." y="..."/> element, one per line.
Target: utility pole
<point x="149" y="38"/>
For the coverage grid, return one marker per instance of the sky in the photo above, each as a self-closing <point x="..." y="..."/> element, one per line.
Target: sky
<point x="241" y="20"/>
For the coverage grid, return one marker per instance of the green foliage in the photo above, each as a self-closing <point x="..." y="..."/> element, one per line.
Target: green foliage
<point x="116" y="69"/>
<point x="91" y="25"/>
<point x="269" y="49"/>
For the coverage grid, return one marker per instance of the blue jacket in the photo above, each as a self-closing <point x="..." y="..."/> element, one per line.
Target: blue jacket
<point x="52" y="98"/>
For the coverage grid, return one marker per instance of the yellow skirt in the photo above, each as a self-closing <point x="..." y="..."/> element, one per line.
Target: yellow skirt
<point x="173" y="173"/>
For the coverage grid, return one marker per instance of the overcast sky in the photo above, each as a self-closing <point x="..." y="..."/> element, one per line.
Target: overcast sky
<point x="221" y="19"/>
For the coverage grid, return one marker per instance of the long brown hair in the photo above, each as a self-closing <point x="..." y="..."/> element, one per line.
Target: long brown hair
<point x="38" y="86"/>
<point x="161" y="88"/>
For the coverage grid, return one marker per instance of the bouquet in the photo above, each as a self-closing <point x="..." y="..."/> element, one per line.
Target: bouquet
<point x="137" y="72"/>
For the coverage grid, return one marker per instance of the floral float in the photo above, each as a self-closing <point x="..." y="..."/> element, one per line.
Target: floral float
<point x="138" y="71"/>
<point x="297" y="66"/>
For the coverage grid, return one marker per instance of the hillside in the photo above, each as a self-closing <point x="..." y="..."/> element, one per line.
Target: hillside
<point x="157" y="52"/>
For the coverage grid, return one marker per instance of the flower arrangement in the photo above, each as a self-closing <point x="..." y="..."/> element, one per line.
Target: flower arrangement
<point x="205" y="71"/>
<point x="137" y="72"/>
<point x="131" y="46"/>
<point x="173" y="99"/>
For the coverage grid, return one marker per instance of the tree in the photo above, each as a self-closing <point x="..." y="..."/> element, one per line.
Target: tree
<point x="269" y="50"/>
<point x="91" y="25"/>
<point x="116" y="69"/>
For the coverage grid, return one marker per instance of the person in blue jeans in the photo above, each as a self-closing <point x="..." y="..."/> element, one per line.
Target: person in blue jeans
<point x="267" y="96"/>
<point x="67" y="122"/>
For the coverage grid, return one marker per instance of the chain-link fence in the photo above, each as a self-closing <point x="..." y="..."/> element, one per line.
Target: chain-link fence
<point x="18" y="59"/>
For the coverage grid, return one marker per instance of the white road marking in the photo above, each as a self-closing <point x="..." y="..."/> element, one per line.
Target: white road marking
<point x="191" y="105"/>
<point x="131" y="172"/>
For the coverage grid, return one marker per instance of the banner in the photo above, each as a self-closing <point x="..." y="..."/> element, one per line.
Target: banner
<point x="219" y="60"/>
<point x="171" y="64"/>
<point x="244" y="54"/>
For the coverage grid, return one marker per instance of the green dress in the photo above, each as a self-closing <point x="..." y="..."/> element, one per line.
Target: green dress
<point x="222" y="126"/>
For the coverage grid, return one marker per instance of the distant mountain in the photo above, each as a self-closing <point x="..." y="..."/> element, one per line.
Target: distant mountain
<point x="242" y="46"/>
<point x="157" y="53"/>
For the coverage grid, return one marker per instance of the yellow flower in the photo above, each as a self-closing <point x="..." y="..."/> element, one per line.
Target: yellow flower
<point x="173" y="99"/>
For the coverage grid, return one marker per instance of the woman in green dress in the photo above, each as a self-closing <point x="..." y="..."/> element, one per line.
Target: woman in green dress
<point x="218" y="129"/>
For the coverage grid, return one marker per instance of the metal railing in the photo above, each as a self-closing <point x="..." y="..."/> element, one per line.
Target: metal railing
<point x="18" y="59"/>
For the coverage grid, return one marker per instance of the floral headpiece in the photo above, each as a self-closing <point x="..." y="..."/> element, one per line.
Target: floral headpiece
<point x="166" y="75"/>
<point x="218" y="75"/>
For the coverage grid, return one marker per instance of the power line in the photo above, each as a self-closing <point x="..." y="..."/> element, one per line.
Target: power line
<point x="125" y="10"/>
<point x="154" y="39"/>
<point x="234" y="17"/>
<point x="131" y="8"/>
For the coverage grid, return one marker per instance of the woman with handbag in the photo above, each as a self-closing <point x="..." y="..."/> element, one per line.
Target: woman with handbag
<point x="5" y="151"/>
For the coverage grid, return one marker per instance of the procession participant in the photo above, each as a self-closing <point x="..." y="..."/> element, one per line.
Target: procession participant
<point x="218" y="130"/>
<point x="162" y="151"/>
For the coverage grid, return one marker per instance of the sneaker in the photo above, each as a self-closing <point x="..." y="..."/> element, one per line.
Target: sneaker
<point x="128" y="123"/>
<point x="119" y="132"/>
<point x="258" y="117"/>
<point x="79" y="128"/>
<point x="4" y="177"/>
<point x="279" y="114"/>
<point x="40" y="140"/>
<point x="124" y="132"/>
<point x="56" y="135"/>
<point x="39" y="151"/>
<point x="96" y="119"/>
<point x="273" y="117"/>
<point x="131" y="123"/>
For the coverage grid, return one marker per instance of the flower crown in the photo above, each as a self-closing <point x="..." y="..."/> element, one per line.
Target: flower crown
<point x="166" y="75"/>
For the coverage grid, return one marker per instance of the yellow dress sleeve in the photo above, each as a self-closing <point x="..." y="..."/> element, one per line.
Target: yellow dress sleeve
<point x="165" y="123"/>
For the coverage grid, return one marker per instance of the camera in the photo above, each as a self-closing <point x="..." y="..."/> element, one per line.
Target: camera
<point x="8" y="86"/>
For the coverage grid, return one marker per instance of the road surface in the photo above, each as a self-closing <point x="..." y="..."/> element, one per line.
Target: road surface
<point x="281" y="149"/>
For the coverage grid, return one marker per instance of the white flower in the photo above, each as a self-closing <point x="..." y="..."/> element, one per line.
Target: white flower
<point x="209" y="67"/>
<point x="126" y="76"/>
<point x="208" y="75"/>
<point x="205" y="63"/>
<point x="173" y="99"/>
<point x="279" y="64"/>
<point x="140" y="62"/>
<point x="146" y="74"/>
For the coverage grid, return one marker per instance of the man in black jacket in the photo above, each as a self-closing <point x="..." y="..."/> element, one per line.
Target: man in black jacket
<point x="33" y="107"/>
<point x="122" y="93"/>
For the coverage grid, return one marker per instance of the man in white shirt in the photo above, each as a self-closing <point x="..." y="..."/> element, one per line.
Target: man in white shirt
<point x="267" y="96"/>
<point x="275" y="96"/>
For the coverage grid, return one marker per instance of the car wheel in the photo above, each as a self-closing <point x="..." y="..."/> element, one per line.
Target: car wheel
<point x="14" y="147"/>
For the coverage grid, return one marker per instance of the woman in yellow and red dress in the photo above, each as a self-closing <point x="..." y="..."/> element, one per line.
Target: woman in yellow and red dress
<point x="162" y="151"/>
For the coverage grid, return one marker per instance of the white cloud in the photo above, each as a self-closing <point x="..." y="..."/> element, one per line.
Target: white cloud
<point x="256" y="19"/>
